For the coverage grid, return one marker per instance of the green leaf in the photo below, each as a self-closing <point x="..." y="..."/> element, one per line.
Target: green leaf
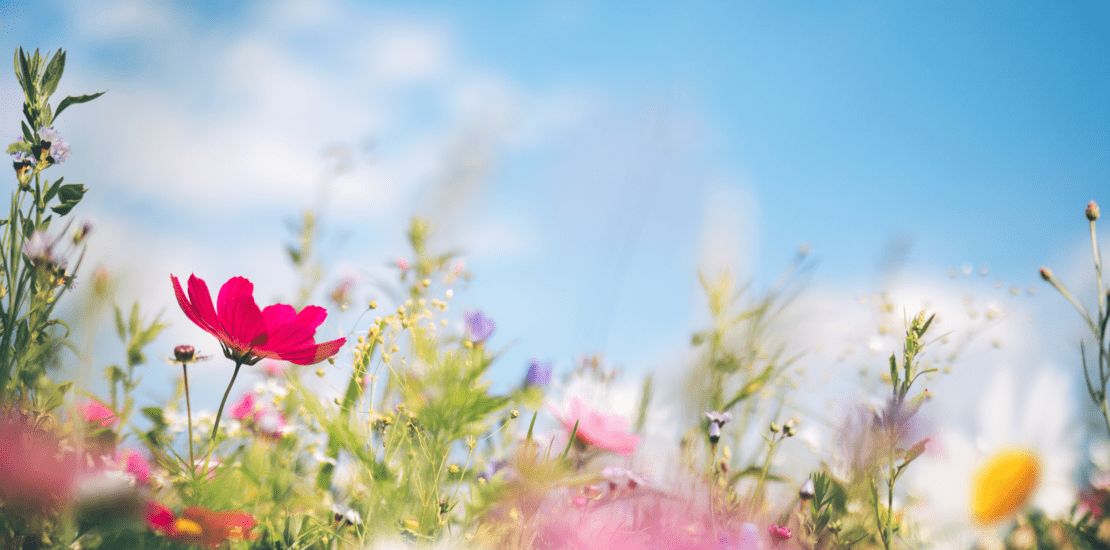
<point x="52" y="190"/>
<point x="893" y="371"/>
<point x="570" y="441"/>
<point x="19" y="147"/>
<point x="121" y="329"/>
<point x="155" y="415"/>
<point x="750" y="388"/>
<point x="532" y="425"/>
<point x="69" y="194"/>
<point x="28" y="135"/>
<point x="53" y="74"/>
<point x="73" y="100"/>
<point x="914" y="452"/>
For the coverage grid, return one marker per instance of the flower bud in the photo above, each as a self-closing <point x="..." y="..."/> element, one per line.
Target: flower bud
<point x="1092" y="211"/>
<point x="714" y="432"/>
<point x="774" y="428"/>
<point x="1046" y="274"/>
<point x="184" y="353"/>
<point x="807" y="490"/>
<point x="514" y="413"/>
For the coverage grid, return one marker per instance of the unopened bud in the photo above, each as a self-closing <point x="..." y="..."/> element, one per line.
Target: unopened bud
<point x="1046" y="274"/>
<point x="714" y="432"/>
<point x="774" y="428"/>
<point x="1092" y="211"/>
<point x="807" y="491"/>
<point x="514" y="413"/>
<point x="184" y="353"/>
<point x="320" y="373"/>
<point x="373" y="305"/>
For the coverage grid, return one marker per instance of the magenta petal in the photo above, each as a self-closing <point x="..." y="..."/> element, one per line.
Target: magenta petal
<point x="187" y="306"/>
<point x="277" y="315"/>
<point x="312" y="317"/>
<point x="201" y="302"/>
<point x="240" y="315"/>
<point x="313" y="354"/>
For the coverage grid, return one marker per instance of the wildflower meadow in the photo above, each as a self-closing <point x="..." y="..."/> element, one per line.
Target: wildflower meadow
<point x="416" y="447"/>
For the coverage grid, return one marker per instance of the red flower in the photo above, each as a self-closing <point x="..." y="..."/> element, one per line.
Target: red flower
<point x="249" y="334"/>
<point x="199" y="525"/>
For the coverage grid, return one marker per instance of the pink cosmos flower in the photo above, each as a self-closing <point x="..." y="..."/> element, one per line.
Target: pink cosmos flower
<point x="96" y="413"/>
<point x="245" y="408"/>
<point x="272" y="368"/>
<point x="249" y="334"/>
<point x="605" y="431"/>
<point x="135" y="464"/>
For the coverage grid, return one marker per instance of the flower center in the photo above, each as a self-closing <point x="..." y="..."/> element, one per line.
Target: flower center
<point x="1003" y="484"/>
<point x="187" y="527"/>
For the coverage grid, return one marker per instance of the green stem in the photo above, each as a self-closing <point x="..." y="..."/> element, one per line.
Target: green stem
<point x="757" y="496"/>
<point x="189" y="413"/>
<point x="219" y="414"/>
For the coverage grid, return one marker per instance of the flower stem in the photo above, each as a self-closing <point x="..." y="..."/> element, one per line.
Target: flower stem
<point x="189" y="413"/>
<point x="219" y="414"/>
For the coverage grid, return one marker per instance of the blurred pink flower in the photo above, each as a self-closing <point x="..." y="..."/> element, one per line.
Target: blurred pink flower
<point x="402" y="263"/>
<point x="96" y="413"/>
<point x="135" y="464"/>
<point x="33" y="476"/>
<point x="779" y="533"/>
<point x="272" y="368"/>
<point x="245" y="408"/>
<point x="605" y="431"/>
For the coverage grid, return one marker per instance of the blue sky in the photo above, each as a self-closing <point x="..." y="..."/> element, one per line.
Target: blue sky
<point x="589" y="157"/>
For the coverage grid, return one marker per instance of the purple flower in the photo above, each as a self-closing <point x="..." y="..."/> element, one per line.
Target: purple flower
<point x="59" y="149"/>
<point x="40" y="250"/>
<point x="478" y="326"/>
<point x="539" y="374"/>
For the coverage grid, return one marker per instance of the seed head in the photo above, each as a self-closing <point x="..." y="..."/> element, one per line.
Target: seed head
<point x="184" y="353"/>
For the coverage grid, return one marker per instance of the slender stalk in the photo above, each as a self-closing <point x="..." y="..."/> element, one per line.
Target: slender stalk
<point x="220" y="411"/>
<point x="189" y="416"/>
<point x="219" y="414"/>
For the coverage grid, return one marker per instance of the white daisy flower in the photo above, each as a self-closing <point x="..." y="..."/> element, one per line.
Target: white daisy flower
<point x="969" y="486"/>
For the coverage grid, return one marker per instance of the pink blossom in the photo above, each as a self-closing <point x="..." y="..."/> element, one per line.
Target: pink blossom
<point x="245" y="408"/>
<point x="272" y="368"/>
<point x="33" y="476"/>
<point x="779" y="533"/>
<point x="402" y="263"/>
<point x="605" y="431"/>
<point x="135" y="464"/>
<point x="248" y="333"/>
<point x="96" y="413"/>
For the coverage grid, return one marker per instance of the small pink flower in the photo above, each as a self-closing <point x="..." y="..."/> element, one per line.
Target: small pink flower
<point x="605" y="431"/>
<point x="136" y="465"/>
<point x="272" y="368"/>
<point x="245" y="408"/>
<point x="779" y="533"/>
<point x="402" y="263"/>
<point x="96" y="413"/>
